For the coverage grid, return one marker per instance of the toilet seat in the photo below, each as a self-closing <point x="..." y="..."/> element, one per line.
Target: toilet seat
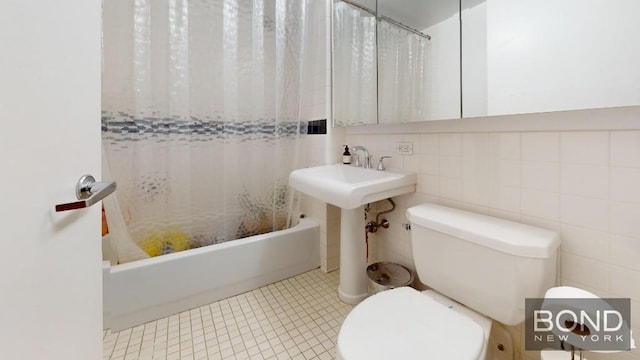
<point x="405" y="324"/>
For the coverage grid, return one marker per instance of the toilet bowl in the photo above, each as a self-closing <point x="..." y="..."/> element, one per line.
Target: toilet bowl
<point x="479" y="268"/>
<point x="409" y="324"/>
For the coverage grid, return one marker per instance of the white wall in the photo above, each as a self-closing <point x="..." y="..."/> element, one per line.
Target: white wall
<point x="474" y="61"/>
<point x="532" y="67"/>
<point x="444" y="69"/>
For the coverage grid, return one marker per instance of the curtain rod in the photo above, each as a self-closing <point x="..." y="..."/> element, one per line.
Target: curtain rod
<point x="387" y="19"/>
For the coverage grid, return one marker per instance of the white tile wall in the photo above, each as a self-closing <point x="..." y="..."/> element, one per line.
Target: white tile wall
<point x="540" y="204"/>
<point x="541" y="175"/>
<point x="585" y="180"/>
<point x="625" y="184"/>
<point x="585" y="242"/>
<point x="450" y="166"/>
<point x="505" y="145"/>
<point x="584" y="271"/>
<point x="624" y="219"/>
<point x="450" y="145"/>
<point x="625" y="252"/>
<point x="585" y="212"/>
<point x="625" y="148"/>
<point x="585" y="147"/>
<point x="540" y="146"/>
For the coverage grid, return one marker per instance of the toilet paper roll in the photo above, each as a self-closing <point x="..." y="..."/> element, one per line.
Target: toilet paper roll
<point x="580" y="311"/>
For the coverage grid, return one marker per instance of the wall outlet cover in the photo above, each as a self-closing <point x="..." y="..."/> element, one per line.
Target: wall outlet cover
<point x="404" y="148"/>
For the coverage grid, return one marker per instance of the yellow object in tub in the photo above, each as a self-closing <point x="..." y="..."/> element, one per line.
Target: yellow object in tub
<point x="165" y="243"/>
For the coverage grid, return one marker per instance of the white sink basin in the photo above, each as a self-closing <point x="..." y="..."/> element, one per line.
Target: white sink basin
<point x="349" y="187"/>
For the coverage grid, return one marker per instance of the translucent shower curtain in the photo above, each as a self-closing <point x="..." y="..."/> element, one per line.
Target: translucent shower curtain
<point x="354" y="65"/>
<point x="403" y="75"/>
<point x="201" y="119"/>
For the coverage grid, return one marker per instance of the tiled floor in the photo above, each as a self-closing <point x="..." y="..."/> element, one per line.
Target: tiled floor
<point x="297" y="318"/>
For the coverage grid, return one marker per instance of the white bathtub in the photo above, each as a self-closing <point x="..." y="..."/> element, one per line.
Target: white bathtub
<point x="145" y="290"/>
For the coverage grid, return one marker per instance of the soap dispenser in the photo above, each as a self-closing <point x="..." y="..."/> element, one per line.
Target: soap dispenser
<point x="346" y="155"/>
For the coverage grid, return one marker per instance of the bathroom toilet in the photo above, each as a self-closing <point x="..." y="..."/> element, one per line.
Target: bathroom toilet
<point x="478" y="268"/>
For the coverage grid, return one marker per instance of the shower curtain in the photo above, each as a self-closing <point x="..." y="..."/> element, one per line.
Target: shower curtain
<point x="201" y="119"/>
<point x="354" y="66"/>
<point x="403" y="75"/>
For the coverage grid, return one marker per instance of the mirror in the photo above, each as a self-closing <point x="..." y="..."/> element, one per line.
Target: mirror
<point x="532" y="56"/>
<point x="418" y="60"/>
<point x="354" y="69"/>
<point x="403" y="67"/>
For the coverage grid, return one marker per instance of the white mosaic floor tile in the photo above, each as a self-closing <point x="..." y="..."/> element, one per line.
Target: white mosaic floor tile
<point x="297" y="318"/>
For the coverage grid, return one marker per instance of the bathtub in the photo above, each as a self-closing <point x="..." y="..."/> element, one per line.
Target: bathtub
<point x="145" y="290"/>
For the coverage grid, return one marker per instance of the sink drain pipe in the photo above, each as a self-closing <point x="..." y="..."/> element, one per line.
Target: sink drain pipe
<point x="372" y="226"/>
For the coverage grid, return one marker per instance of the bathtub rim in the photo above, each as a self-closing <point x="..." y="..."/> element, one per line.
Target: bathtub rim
<point x="303" y="224"/>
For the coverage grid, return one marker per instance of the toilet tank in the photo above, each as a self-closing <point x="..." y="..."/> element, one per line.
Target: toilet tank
<point x="488" y="264"/>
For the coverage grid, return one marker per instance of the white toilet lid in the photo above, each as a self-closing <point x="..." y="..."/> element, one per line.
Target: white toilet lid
<point x="405" y="324"/>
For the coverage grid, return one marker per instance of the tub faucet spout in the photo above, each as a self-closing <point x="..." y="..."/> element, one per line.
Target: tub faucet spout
<point x="367" y="156"/>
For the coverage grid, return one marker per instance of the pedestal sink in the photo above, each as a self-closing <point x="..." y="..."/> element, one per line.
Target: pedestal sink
<point x="350" y="188"/>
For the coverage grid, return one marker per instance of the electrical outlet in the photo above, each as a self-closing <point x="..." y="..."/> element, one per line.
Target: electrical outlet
<point x="404" y="148"/>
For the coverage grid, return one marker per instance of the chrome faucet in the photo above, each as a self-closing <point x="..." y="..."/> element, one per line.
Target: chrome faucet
<point x="367" y="156"/>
